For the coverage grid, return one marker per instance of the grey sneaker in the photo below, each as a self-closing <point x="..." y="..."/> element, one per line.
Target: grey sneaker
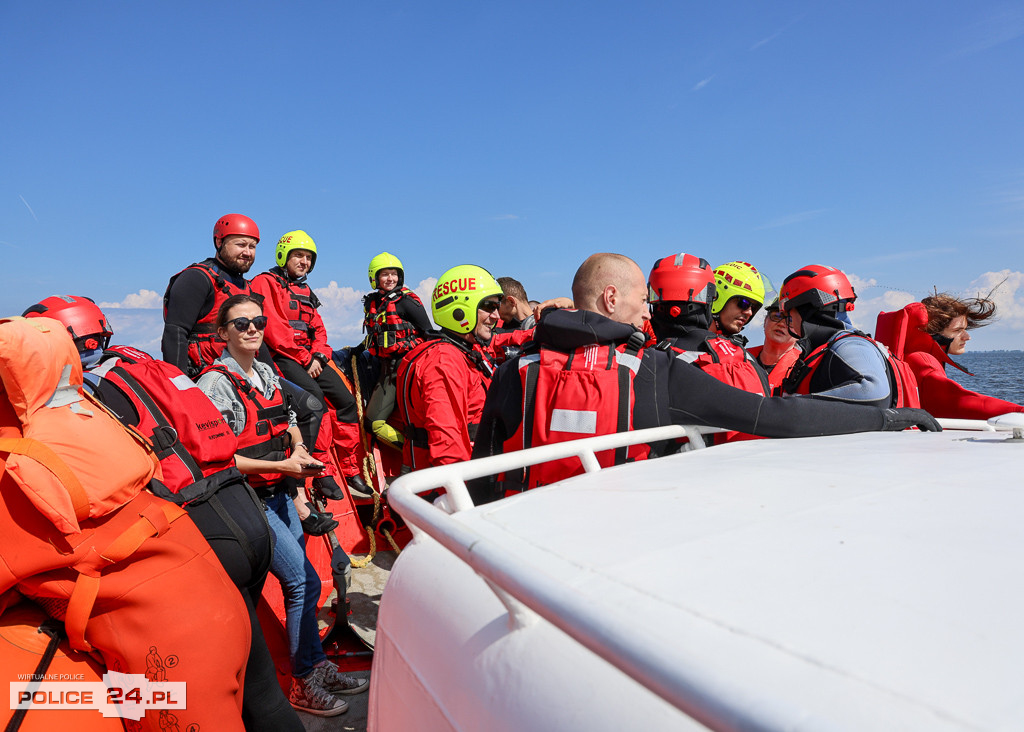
<point x="336" y="682"/>
<point x="309" y="695"/>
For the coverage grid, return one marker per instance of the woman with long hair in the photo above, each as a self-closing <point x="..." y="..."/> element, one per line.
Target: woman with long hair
<point x="248" y="393"/>
<point x="927" y="335"/>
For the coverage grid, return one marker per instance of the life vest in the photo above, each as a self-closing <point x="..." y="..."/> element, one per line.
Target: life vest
<point x="190" y="436"/>
<point x="265" y="436"/>
<point x="571" y="395"/>
<point x="204" y="347"/>
<point x="728" y="363"/>
<point x="902" y="383"/>
<point x="42" y="378"/>
<point x="300" y="303"/>
<point x="387" y="334"/>
<point x="778" y="371"/>
<point x="723" y="359"/>
<point x="74" y="463"/>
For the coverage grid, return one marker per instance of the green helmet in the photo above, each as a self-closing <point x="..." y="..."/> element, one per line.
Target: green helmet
<point x="295" y="240"/>
<point x="457" y="295"/>
<point x="384" y="260"/>
<point x="739" y="279"/>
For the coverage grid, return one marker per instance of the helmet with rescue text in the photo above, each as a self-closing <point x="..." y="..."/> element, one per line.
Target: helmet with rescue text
<point x="292" y="241"/>
<point x="681" y="292"/>
<point x="458" y="296"/>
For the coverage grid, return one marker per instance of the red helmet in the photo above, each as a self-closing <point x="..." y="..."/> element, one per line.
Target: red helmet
<point x="235" y="224"/>
<point x="80" y="315"/>
<point x="682" y="278"/>
<point x="823" y="288"/>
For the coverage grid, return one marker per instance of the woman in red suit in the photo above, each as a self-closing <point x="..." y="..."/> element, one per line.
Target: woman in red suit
<point x="926" y="334"/>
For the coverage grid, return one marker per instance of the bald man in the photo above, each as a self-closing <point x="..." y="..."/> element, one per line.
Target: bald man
<point x="588" y="373"/>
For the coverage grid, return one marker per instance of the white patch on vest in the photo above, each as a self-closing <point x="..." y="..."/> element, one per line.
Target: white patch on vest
<point x="628" y="360"/>
<point x="64" y="394"/>
<point x="589" y="359"/>
<point x="688" y="356"/>
<point x="528" y="359"/>
<point x="579" y="422"/>
<point x="183" y="383"/>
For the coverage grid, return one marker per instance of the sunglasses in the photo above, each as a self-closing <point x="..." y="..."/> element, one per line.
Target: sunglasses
<point x="489" y="306"/>
<point x="242" y="324"/>
<point x="776" y="316"/>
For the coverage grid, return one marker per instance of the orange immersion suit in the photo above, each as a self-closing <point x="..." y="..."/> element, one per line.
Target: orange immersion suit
<point x="127" y="572"/>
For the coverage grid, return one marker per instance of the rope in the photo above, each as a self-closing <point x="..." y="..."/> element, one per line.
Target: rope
<point x="370" y="475"/>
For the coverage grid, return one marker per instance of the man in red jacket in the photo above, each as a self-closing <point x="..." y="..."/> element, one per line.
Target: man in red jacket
<point x="297" y="339"/>
<point x="443" y="381"/>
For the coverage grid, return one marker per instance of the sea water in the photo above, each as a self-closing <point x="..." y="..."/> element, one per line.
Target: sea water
<point x="996" y="373"/>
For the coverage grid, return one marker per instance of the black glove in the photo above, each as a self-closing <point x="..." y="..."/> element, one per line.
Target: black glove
<point x="903" y="418"/>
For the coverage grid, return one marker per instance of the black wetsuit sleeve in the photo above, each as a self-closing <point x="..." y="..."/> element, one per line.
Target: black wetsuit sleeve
<point x="413" y="312"/>
<point x="697" y="398"/>
<point x="188" y="299"/>
<point x="500" y="420"/>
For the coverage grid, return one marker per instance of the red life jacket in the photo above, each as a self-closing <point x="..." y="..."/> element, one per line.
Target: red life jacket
<point x="204" y="347"/>
<point x="902" y="383"/>
<point x="387" y="334"/>
<point x="728" y="363"/>
<point x="189" y="434"/>
<point x="300" y="303"/>
<point x="265" y="436"/>
<point x="732" y="365"/>
<point x="568" y="396"/>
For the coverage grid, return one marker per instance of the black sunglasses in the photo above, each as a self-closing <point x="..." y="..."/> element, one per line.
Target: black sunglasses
<point x="489" y="306"/>
<point x="242" y="324"/>
<point x="776" y="316"/>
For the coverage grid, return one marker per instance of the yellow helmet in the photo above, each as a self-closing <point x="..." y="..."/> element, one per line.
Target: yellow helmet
<point x="739" y="279"/>
<point x="457" y="295"/>
<point x="295" y="240"/>
<point x="384" y="260"/>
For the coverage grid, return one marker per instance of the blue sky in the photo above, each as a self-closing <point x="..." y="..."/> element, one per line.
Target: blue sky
<point x="882" y="138"/>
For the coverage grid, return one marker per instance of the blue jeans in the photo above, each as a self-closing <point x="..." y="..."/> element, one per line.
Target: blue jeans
<point x="299" y="583"/>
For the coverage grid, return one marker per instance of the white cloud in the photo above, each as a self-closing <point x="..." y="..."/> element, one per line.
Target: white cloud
<point x="702" y="83"/>
<point x="139" y="327"/>
<point x="1006" y="332"/>
<point x="145" y="299"/>
<point x="342" y="310"/>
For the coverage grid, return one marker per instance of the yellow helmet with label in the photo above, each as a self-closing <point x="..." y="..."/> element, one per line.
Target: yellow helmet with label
<point x="457" y="295"/>
<point x="385" y="260"/>
<point x="739" y="279"/>
<point x="295" y="240"/>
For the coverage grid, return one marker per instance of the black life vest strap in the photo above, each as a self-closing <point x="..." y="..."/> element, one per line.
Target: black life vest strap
<point x="634" y="345"/>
